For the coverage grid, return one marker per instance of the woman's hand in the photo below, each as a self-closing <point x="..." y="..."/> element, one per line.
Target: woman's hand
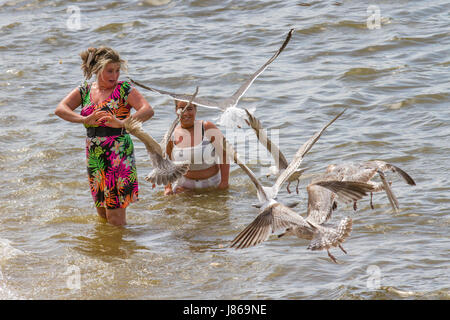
<point x="111" y="121"/>
<point x="94" y="118"/>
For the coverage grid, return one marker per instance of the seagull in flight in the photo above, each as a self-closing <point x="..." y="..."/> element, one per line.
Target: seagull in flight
<point x="322" y="201"/>
<point x="274" y="216"/>
<point x="165" y="170"/>
<point x="231" y="115"/>
<point x="365" y="171"/>
<point x="280" y="160"/>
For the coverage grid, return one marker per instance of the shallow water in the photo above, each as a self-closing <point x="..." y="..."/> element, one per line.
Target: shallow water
<point x="392" y="74"/>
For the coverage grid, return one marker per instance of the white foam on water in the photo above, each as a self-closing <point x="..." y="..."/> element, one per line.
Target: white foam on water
<point x="7" y="251"/>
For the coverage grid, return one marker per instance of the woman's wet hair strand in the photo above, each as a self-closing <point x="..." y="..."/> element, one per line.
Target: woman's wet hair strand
<point x="94" y="60"/>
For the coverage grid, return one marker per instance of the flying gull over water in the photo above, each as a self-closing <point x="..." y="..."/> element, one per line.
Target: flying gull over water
<point x="365" y="171"/>
<point x="165" y="170"/>
<point x="280" y="160"/>
<point x="275" y="217"/>
<point x="231" y="115"/>
<point x="322" y="201"/>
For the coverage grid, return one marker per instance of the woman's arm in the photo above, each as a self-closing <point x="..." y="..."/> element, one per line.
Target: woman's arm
<point x="65" y="110"/>
<point x="143" y="109"/>
<point x="215" y="136"/>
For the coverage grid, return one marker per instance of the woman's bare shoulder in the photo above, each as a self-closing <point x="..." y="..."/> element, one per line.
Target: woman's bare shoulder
<point x="209" y="125"/>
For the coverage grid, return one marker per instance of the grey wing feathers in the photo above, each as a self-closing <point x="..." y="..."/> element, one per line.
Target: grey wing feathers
<point x="277" y="155"/>
<point x="347" y="191"/>
<point x="400" y="172"/>
<point x="183" y="97"/>
<point x="256" y="232"/>
<point x="390" y="194"/>
<point x="262" y="195"/>
<point x="134" y="127"/>
<point x="322" y="196"/>
<point x="222" y="103"/>
<point x="271" y="220"/>
<point x="244" y="87"/>
<point x="298" y="158"/>
<point x="165" y="171"/>
<point x="320" y="203"/>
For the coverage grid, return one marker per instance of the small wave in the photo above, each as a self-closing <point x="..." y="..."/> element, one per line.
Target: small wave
<point x="352" y="24"/>
<point x="343" y="24"/>
<point x="117" y="26"/>
<point x="15" y="73"/>
<point x="360" y="71"/>
<point x="430" y="98"/>
<point x="155" y="3"/>
<point x="359" y="74"/>
<point x="430" y="39"/>
<point x="8" y="121"/>
<point x="402" y="293"/>
<point x="314" y="29"/>
<point x="10" y="26"/>
<point x="364" y="73"/>
<point x="45" y="155"/>
<point x="7" y="294"/>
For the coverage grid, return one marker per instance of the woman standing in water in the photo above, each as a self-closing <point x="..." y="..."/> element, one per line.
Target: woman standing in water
<point x="196" y="141"/>
<point x="106" y="103"/>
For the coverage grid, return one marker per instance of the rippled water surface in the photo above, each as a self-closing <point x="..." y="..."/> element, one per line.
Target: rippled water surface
<point x="387" y="62"/>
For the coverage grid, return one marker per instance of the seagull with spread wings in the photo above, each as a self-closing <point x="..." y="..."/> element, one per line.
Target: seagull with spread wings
<point x="280" y="160"/>
<point x="322" y="201"/>
<point x="365" y="172"/>
<point x="231" y="115"/>
<point x="165" y="170"/>
<point x="275" y="217"/>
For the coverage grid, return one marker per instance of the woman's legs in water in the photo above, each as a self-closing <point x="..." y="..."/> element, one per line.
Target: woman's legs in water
<point x="116" y="217"/>
<point x="101" y="212"/>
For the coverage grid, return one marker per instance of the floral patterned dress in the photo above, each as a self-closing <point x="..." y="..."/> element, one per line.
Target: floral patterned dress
<point x="110" y="160"/>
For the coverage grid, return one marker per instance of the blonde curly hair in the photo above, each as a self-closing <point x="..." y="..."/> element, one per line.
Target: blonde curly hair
<point x="94" y="60"/>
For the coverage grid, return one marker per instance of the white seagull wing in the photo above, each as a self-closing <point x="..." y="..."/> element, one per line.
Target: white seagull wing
<point x="165" y="171"/>
<point x="134" y="127"/>
<point x="233" y="100"/>
<point x="222" y="104"/>
<point x="213" y="104"/>
<point x="277" y="155"/>
<point x="274" y="218"/>
<point x="231" y="153"/>
<point x="298" y="158"/>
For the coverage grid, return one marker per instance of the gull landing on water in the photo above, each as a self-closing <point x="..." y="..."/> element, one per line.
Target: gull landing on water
<point x="278" y="156"/>
<point x="165" y="171"/>
<point x="274" y="216"/>
<point x="231" y="115"/>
